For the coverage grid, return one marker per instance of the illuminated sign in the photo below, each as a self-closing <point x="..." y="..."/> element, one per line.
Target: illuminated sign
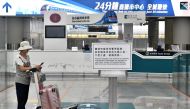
<point x="151" y="7"/>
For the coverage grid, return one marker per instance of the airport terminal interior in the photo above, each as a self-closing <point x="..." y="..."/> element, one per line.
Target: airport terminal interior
<point x="149" y="69"/>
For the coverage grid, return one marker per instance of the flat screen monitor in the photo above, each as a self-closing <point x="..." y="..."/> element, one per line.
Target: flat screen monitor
<point x="55" y="31"/>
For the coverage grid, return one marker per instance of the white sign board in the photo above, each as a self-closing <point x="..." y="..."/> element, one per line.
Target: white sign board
<point x="112" y="56"/>
<point x="131" y="17"/>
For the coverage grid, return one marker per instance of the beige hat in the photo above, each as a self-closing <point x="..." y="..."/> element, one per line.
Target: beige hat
<point x="24" y="45"/>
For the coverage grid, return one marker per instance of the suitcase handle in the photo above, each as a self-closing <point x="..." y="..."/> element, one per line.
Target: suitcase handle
<point x="33" y="70"/>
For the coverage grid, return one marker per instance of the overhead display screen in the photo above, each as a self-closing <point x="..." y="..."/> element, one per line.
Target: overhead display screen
<point x="151" y="7"/>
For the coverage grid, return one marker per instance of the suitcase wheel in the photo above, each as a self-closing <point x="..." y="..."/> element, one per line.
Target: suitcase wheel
<point x="53" y="90"/>
<point x="39" y="107"/>
<point x="40" y="93"/>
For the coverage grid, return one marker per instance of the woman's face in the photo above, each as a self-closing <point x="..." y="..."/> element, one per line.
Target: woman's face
<point x="25" y="51"/>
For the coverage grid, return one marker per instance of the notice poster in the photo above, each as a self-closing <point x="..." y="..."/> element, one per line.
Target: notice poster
<point x="112" y="56"/>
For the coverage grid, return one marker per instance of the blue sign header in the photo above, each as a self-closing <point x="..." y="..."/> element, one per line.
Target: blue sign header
<point x="151" y="7"/>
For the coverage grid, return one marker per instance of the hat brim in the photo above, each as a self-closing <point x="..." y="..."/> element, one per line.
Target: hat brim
<point x="25" y="48"/>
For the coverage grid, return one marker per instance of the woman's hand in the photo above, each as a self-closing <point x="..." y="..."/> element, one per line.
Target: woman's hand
<point x="38" y="67"/>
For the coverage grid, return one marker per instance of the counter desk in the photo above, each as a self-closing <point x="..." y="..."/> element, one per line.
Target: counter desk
<point x="81" y="62"/>
<point x="153" y="62"/>
<point x="57" y="61"/>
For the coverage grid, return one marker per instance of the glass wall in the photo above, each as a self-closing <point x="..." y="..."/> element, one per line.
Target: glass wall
<point x="181" y="65"/>
<point x="12" y="31"/>
<point x="140" y="36"/>
<point x="2" y="55"/>
<point x="2" y="70"/>
<point x="6" y="78"/>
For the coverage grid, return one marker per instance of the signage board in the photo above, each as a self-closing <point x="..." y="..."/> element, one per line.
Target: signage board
<point x="160" y="8"/>
<point x="108" y="17"/>
<point x="112" y="56"/>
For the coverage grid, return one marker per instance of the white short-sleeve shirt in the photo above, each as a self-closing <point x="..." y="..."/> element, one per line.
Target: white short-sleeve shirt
<point x="22" y="77"/>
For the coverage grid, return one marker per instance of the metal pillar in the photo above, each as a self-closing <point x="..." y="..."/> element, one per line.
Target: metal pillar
<point x="128" y="32"/>
<point x="120" y="32"/>
<point x="153" y="26"/>
<point x="168" y="33"/>
<point x="112" y="92"/>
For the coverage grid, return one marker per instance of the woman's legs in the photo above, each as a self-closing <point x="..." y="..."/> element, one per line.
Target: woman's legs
<point x="22" y="95"/>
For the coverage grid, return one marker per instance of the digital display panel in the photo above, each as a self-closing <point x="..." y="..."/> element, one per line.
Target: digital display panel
<point x="55" y="32"/>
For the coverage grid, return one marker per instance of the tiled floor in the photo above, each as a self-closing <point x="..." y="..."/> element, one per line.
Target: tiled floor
<point x="133" y="90"/>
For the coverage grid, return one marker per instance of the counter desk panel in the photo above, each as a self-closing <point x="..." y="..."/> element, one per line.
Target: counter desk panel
<point x="153" y="62"/>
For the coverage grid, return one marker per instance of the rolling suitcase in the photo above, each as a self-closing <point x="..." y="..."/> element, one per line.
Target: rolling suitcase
<point x="49" y="96"/>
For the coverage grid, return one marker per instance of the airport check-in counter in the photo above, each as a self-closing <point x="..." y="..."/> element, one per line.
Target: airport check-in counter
<point x="81" y="62"/>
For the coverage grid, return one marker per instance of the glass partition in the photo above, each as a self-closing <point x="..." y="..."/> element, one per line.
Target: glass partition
<point x="175" y="72"/>
<point x="2" y="54"/>
<point x="188" y="74"/>
<point x="2" y="70"/>
<point x="181" y="65"/>
<point x="6" y="78"/>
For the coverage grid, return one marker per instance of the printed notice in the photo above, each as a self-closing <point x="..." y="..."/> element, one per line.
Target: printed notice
<point x="110" y="56"/>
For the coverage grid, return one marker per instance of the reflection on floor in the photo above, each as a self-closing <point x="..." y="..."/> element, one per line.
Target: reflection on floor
<point x="133" y="93"/>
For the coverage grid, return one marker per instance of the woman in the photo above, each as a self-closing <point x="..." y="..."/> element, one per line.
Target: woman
<point x="22" y="80"/>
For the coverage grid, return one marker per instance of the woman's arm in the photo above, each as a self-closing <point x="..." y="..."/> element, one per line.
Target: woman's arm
<point x="22" y="68"/>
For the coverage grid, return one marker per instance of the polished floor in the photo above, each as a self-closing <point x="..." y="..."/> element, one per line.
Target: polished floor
<point x="135" y="92"/>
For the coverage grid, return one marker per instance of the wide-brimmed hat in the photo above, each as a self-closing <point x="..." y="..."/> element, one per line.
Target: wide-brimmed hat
<point x="24" y="45"/>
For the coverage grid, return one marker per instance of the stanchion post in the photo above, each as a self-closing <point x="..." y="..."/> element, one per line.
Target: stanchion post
<point x="112" y="92"/>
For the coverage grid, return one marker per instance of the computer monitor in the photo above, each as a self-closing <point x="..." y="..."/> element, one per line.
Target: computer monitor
<point x="175" y="47"/>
